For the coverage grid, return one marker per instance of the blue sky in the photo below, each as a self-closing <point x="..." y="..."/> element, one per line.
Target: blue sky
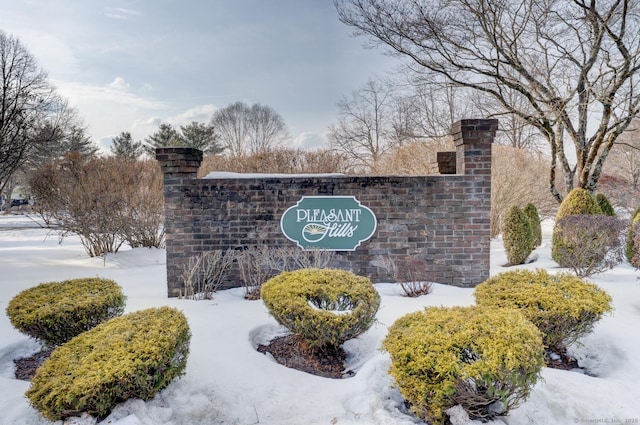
<point x="130" y="65"/>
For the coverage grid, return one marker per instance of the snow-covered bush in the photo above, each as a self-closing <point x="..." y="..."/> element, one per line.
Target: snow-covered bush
<point x="326" y="306"/>
<point x="517" y="236"/>
<point x="588" y="244"/>
<point x="531" y="212"/>
<point x="484" y="359"/>
<point x="55" y="312"/>
<point x="132" y="356"/>
<point x="563" y="306"/>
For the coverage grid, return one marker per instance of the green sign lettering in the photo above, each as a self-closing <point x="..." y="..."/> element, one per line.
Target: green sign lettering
<point x="332" y="223"/>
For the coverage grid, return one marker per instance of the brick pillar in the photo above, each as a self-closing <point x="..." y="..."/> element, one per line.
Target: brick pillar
<point x="179" y="166"/>
<point x="446" y="162"/>
<point x="473" y="139"/>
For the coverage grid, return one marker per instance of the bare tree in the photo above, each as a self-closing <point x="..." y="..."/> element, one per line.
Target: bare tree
<point x="625" y="156"/>
<point x="243" y="129"/>
<point x="364" y="131"/>
<point x="575" y="63"/>
<point x="32" y="116"/>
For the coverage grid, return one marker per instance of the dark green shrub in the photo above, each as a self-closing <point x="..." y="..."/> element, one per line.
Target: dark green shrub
<point x="55" y="312"/>
<point x="326" y="306"/>
<point x="605" y="205"/>
<point x="133" y="356"/>
<point x="517" y="236"/>
<point x="587" y="244"/>
<point x="531" y="212"/>
<point x="485" y="359"/>
<point x="564" y="307"/>
<point x="578" y="201"/>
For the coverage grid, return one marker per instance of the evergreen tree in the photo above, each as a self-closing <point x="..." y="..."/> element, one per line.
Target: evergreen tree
<point x="124" y="146"/>
<point x="201" y="136"/>
<point x="77" y="141"/>
<point x="164" y="137"/>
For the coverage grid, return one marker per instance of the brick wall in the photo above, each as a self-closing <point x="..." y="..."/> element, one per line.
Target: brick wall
<point x="441" y="218"/>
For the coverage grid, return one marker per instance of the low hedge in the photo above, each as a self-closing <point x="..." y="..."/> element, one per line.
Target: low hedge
<point x="55" y="312"/>
<point x="486" y="360"/>
<point x="326" y="306"/>
<point x="564" y="307"/>
<point x="132" y="356"/>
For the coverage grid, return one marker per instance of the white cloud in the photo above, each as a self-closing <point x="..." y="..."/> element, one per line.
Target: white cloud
<point x="110" y="109"/>
<point x="199" y="113"/>
<point x="309" y="140"/>
<point x="119" y="84"/>
<point x="120" y="13"/>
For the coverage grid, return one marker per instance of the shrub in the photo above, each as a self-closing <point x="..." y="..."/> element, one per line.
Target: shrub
<point x="204" y="273"/>
<point x="564" y="307"/>
<point x="587" y="244"/>
<point x="133" y="356"/>
<point x="631" y="247"/>
<point x="326" y="306"/>
<point x="106" y="201"/>
<point x="578" y="201"/>
<point x="55" y="312"/>
<point x="412" y="273"/>
<point x="486" y="360"/>
<point x="531" y="212"/>
<point x="605" y="205"/>
<point x="517" y="236"/>
<point x="256" y="266"/>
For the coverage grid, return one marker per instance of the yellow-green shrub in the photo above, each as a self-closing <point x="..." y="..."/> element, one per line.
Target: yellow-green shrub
<point x="517" y="236"/>
<point x="326" y="306"/>
<point x="630" y="248"/>
<point x="563" y="306"/>
<point x="578" y="201"/>
<point x="531" y="212"/>
<point x="487" y="360"/>
<point x="55" y="312"/>
<point x="132" y="356"/>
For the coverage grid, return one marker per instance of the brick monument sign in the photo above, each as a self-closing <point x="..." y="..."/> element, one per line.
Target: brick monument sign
<point x="443" y="219"/>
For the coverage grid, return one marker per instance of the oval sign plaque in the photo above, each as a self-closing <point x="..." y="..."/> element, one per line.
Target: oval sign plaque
<point x="331" y="223"/>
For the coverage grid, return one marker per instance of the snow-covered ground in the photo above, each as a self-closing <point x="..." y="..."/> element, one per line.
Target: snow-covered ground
<point x="228" y="382"/>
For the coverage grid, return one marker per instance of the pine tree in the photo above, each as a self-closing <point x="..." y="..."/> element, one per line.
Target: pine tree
<point x="201" y="136"/>
<point x="77" y="141"/>
<point x="164" y="137"/>
<point x="124" y="146"/>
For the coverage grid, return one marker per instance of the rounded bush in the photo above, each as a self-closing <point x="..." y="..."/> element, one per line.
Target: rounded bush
<point x="605" y="205"/>
<point x="564" y="307"/>
<point x="578" y="201"/>
<point x="55" y="312"/>
<point x="326" y="306"/>
<point x="517" y="236"/>
<point x="132" y="356"/>
<point x="531" y="212"/>
<point x="632" y="233"/>
<point x="486" y="360"/>
<point x="587" y="244"/>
